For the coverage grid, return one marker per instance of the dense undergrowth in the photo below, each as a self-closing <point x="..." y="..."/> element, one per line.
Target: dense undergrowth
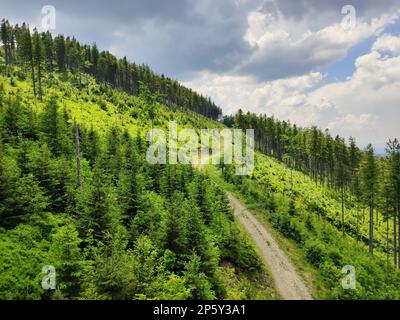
<point x="132" y="230"/>
<point x="122" y="229"/>
<point x="309" y="216"/>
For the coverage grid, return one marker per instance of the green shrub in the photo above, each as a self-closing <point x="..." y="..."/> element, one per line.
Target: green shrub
<point x="315" y="252"/>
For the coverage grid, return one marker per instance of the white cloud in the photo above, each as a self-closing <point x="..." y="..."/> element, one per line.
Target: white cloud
<point x="387" y="42"/>
<point x="285" y="48"/>
<point x="366" y="105"/>
<point x="357" y="123"/>
<point x="233" y="92"/>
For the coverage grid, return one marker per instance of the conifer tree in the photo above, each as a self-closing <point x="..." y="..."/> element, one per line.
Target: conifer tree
<point x="38" y="52"/>
<point x="5" y="39"/>
<point x="26" y="52"/>
<point x="393" y="154"/>
<point x="60" y="52"/>
<point x="369" y="174"/>
<point x="48" y="44"/>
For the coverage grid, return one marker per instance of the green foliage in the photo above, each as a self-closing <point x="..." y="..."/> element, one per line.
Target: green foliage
<point x="197" y="281"/>
<point x="24" y="253"/>
<point x="130" y="230"/>
<point x="65" y="256"/>
<point x="309" y="215"/>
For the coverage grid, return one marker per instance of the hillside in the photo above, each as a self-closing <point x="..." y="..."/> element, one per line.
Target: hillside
<point x="77" y="193"/>
<point x="309" y="216"/>
<point x="121" y="229"/>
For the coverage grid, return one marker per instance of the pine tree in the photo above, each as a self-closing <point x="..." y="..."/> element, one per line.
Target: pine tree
<point x="26" y="52"/>
<point x="369" y="174"/>
<point x="49" y="53"/>
<point x="66" y="256"/>
<point x="78" y="155"/>
<point x="60" y="52"/>
<point x="95" y="59"/>
<point x="174" y="230"/>
<point x="197" y="281"/>
<point x="131" y="188"/>
<point x="38" y="52"/>
<point x="341" y="168"/>
<point x="393" y="153"/>
<point x="5" y="39"/>
<point x="57" y="129"/>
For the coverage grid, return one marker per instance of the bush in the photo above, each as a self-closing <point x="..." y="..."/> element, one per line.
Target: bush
<point x="315" y="252"/>
<point x="297" y="231"/>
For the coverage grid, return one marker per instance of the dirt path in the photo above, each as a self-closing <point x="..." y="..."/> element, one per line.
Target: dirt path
<point x="288" y="282"/>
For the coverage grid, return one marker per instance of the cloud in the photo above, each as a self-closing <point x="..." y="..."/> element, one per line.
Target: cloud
<point x="280" y="52"/>
<point x="365" y="106"/>
<point x="317" y="14"/>
<point x="357" y="123"/>
<point x="279" y="97"/>
<point x="212" y="40"/>
<point x="268" y="39"/>
<point x="387" y="42"/>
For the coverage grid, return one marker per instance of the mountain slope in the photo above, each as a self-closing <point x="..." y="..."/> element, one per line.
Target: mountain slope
<point x="118" y="228"/>
<point x="77" y="191"/>
<point x="309" y="217"/>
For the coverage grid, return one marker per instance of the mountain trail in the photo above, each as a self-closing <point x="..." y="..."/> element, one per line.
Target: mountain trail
<point x="288" y="282"/>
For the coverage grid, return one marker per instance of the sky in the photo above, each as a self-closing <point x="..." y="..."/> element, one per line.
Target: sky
<point x="313" y="62"/>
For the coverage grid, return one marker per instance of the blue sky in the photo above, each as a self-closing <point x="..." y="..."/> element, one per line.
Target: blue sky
<point x="343" y="68"/>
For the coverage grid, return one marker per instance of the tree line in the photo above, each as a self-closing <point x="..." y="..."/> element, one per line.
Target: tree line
<point x="359" y="177"/>
<point x="42" y="54"/>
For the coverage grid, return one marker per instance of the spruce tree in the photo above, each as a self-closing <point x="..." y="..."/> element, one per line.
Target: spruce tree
<point x="369" y="174"/>
<point x="26" y="52"/>
<point x="38" y="52"/>
<point x="393" y="154"/>
<point x="5" y="39"/>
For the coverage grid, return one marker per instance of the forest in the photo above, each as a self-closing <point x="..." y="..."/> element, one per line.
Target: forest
<point x="40" y="53"/>
<point x="77" y="193"/>
<point x="360" y="178"/>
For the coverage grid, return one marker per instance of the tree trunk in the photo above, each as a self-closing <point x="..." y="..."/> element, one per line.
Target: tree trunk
<point x="371" y="230"/>
<point x="395" y="238"/>
<point x="40" y="81"/>
<point x="387" y="237"/>
<point x="398" y="237"/>
<point x="33" y="77"/>
<point x="78" y="156"/>
<point x="358" y="224"/>
<point x="342" y="209"/>
<point x="6" y="57"/>
<point x="291" y="175"/>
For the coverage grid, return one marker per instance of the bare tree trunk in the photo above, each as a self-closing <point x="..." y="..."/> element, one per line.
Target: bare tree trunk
<point x="387" y="237"/>
<point x="33" y="77"/>
<point x="398" y="237"/>
<point x="78" y="156"/>
<point x="371" y="230"/>
<point x="343" y="209"/>
<point x="358" y="224"/>
<point x="40" y="81"/>
<point x="6" y="57"/>
<point x="395" y="238"/>
<point x="291" y="175"/>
